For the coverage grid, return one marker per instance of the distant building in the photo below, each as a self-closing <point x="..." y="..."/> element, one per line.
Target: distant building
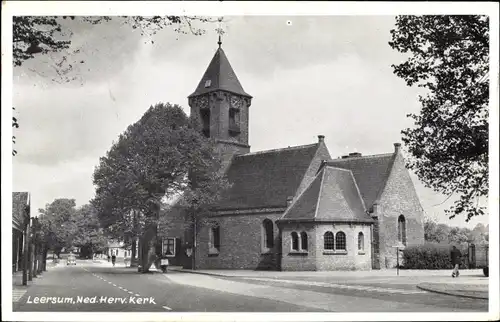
<point x="20" y="220"/>
<point x="293" y="208"/>
<point x="118" y="249"/>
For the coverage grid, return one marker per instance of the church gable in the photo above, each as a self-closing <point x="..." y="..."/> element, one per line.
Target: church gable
<point x="332" y="196"/>
<point x="370" y="172"/>
<point x="266" y="179"/>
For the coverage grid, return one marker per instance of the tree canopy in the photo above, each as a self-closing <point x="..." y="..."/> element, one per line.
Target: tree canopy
<point x="448" y="56"/>
<point x="88" y="232"/>
<point x="57" y="229"/>
<point x="39" y="35"/>
<point x="442" y="233"/>
<point x="155" y="160"/>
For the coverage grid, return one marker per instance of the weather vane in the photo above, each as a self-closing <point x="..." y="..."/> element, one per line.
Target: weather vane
<point x="220" y="31"/>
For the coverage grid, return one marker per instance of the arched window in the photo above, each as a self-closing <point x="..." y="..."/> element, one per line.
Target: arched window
<point x="402" y="229"/>
<point x="268" y="233"/>
<point x="214" y="237"/>
<point x="295" y="241"/>
<point x="340" y="241"/>
<point x="303" y="240"/>
<point x="329" y="241"/>
<point x="361" y="241"/>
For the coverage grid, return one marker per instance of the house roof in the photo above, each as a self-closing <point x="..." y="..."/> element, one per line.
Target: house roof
<point x="221" y="76"/>
<point x="266" y="179"/>
<point x="20" y="200"/>
<point x="370" y="172"/>
<point x="332" y="196"/>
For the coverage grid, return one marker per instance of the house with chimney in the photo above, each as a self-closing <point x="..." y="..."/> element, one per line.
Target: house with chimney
<point x="294" y="208"/>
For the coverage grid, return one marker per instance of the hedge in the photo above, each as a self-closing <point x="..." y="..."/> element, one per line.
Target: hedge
<point x="428" y="256"/>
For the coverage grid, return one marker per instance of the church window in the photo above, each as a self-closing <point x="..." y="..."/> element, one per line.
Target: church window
<point x="295" y="241"/>
<point x="340" y="242"/>
<point x="268" y="233"/>
<point x="329" y="242"/>
<point x="208" y="82"/>
<point x="361" y="241"/>
<point x="214" y="238"/>
<point x="234" y="121"/>
<point x="205" y="121"/>
<point x="402" y="229"/>
<point x="303" y="240"/>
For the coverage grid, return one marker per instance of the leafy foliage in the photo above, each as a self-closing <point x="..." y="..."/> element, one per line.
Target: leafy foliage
<point x="427" y="256"/>
<point x="39" y="35"/>
<point x="156" y="159"/>
<point x="444" y="234"/>
<point x="87" y="231"/>
<point x="15" y="124"/>
<point x="57" y="229"/>
<point x="448" y="56"/>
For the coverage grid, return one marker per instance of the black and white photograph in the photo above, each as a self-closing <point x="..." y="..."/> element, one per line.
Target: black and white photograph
<point x="250" y="161"/>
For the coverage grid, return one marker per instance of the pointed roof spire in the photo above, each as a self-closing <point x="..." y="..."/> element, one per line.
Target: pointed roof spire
<point x="220" y="31"/>
<point x="219" y="74"/>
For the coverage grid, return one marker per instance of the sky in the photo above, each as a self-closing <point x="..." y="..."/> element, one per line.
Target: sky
<point x="308" y="75"/>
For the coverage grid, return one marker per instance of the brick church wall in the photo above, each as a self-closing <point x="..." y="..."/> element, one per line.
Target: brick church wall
<point x="353" y="259"/>
<point x="298" y="261"/>
<point x="399" y="198"/>
<point x="240" y="243"/>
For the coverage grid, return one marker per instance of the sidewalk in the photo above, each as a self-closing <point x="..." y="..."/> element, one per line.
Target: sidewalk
<point x="18" y="289"/>
<point x="471" y="283"/>
<point x="467" y="286"/>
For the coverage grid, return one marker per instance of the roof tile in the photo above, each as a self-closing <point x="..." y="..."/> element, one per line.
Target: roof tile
<point x="221" y="76"/>
<point x="266" y="179"/>
<point x="371" y="173"/>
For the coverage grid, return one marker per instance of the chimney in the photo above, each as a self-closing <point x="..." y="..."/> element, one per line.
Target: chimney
<point x="354" y="154"/>
<point x="396" y="147"/>
<point x="321" y="138"/>
<point x="289" y="200"/>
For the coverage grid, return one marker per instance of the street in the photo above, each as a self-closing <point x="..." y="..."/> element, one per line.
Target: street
<point x="98" y="287"/>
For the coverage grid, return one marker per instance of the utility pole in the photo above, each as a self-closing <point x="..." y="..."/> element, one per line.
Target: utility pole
<point x="30" y="252"/>
<point x="25" y="250"/>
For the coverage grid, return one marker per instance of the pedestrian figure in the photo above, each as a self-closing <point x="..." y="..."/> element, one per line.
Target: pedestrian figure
<point x="108" y="258"/>
<point x="113" y="259"/>
<point x="455" y="261"/>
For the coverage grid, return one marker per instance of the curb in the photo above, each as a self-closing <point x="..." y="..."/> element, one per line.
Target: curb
<point x="198" y="272"/>
<point x="430" y="289"/>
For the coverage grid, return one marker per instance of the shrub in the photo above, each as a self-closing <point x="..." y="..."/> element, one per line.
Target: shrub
<point x="427" y="256"/>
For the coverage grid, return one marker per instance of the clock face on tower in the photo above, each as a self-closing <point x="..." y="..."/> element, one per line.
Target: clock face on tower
<point x="236" y="102"/>
<point x="202" y="102"/>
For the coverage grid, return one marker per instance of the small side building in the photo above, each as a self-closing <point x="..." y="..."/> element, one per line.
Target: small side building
<point x="20" y="221"/>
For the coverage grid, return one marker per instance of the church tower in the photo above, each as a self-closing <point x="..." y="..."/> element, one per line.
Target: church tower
<point x="221" y="108"/>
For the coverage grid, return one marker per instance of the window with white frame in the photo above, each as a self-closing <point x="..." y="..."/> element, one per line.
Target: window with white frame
<point x="328" y="241"/>
<point x="168" y="247"/>
<point x="340" y="241"/>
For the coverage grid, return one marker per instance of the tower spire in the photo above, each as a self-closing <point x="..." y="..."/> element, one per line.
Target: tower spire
<point x="220" y="31"/>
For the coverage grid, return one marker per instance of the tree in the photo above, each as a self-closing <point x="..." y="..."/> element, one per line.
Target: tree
<point x="88" y="233"/>
<point x="448" y="56"/>
<point x="15" y="124"/>
<point x="156" y="159"/>
<point x="57" y="228"/>
<point x="434" y="232"/>
<point x="39" y="35"/>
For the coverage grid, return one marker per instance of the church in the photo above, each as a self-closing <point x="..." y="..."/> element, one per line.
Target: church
<point x="293" y="208"/>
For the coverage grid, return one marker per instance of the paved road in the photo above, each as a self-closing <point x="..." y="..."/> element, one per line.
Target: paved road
<point x="88" y="281"/>
<point x="98" y="287"/>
